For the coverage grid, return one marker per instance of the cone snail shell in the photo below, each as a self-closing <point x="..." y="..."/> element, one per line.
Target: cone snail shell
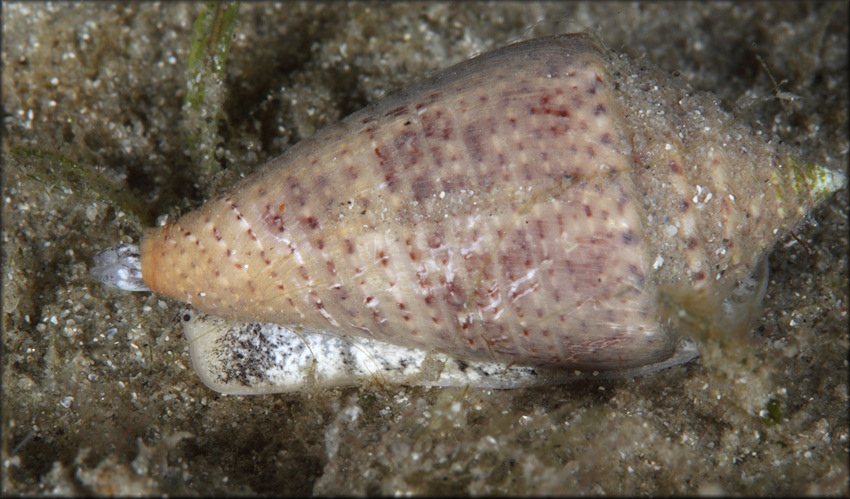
<point x="536" y="205"/>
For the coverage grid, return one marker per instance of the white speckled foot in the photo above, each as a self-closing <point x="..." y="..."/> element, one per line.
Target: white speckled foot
<point x="255" y="358"/>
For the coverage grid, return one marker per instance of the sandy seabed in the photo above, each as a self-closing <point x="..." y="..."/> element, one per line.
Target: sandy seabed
<point x="99" y="395"/>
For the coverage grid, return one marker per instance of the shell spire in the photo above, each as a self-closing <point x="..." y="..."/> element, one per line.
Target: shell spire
<point x="718" y="195"/>
<point x="530" y="206"/>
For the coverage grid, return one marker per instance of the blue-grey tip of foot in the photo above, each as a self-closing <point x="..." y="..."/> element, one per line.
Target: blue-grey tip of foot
<point x="120" y="267"/>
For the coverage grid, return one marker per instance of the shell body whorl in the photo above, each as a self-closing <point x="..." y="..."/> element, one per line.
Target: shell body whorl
<point x="526" y="206"/>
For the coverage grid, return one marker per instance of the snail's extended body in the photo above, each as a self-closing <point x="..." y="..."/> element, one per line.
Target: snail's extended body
<point x="530" y="206"/>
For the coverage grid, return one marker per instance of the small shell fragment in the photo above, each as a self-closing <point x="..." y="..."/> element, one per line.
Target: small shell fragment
<point x="542" y="208"/>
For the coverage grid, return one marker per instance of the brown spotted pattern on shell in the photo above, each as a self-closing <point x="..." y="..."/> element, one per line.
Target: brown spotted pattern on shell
<point x="530" y="206"/>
